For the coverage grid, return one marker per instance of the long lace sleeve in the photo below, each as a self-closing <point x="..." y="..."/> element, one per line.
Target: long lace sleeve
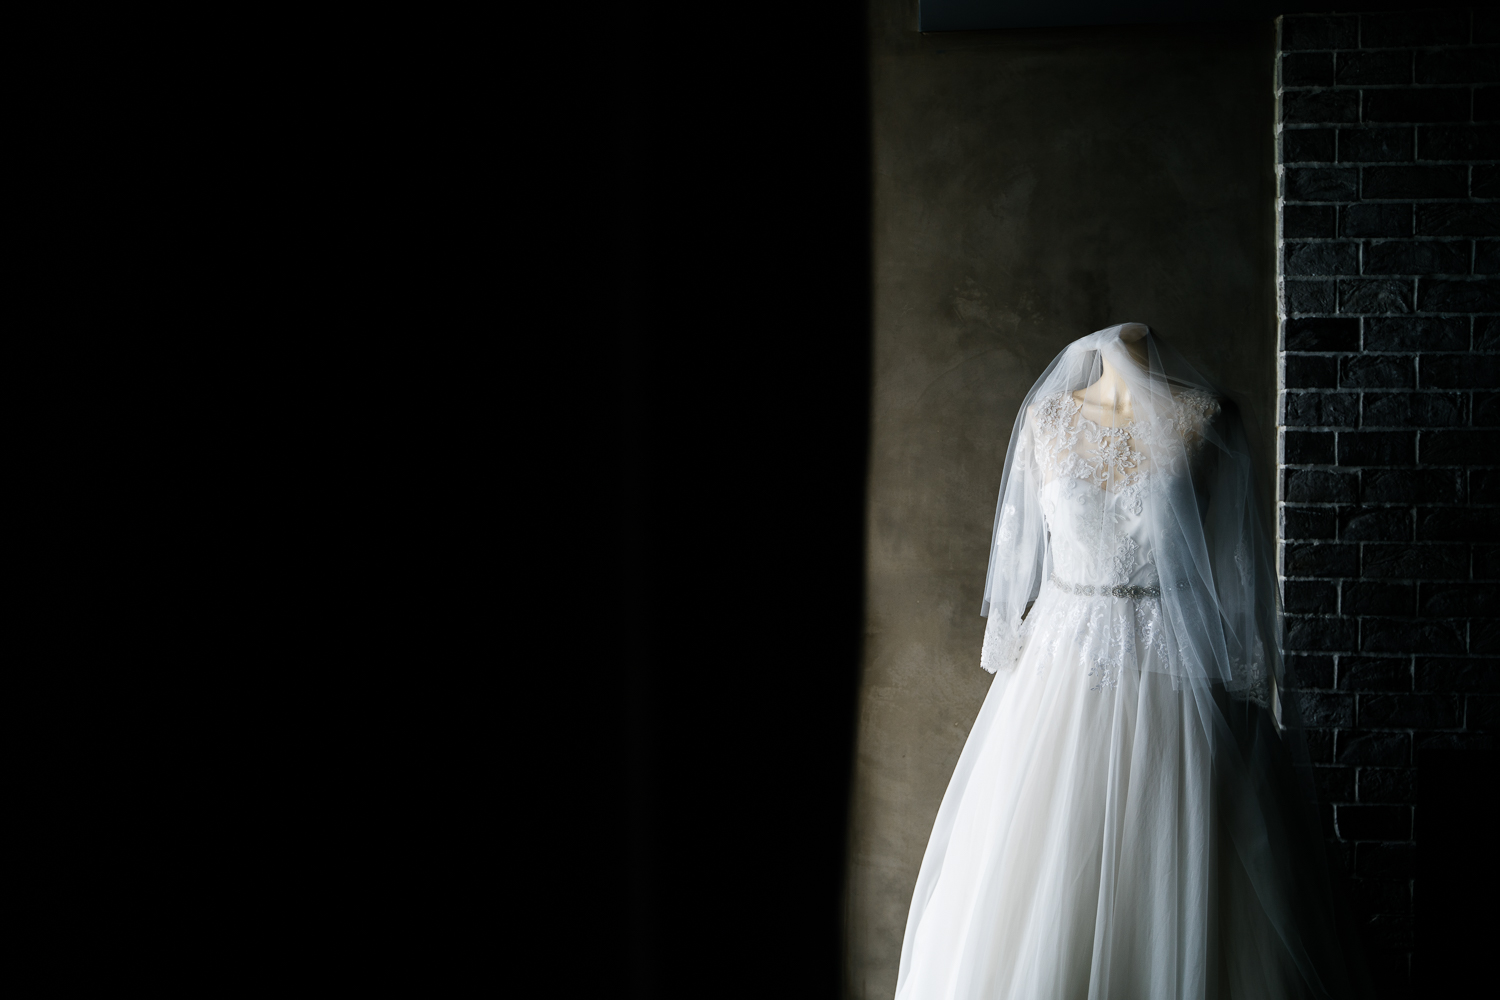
<point x="1016" y="554"/>
<point x="1002" y="643"/>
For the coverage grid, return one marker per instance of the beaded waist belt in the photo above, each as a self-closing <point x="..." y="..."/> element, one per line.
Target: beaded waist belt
<point x="1106" y="590"/>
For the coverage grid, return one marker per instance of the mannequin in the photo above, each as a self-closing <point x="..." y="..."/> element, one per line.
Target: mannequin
<point x="1107" y="402"/>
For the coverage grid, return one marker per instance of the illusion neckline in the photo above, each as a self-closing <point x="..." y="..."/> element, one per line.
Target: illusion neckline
<point x="1080" y="404"/>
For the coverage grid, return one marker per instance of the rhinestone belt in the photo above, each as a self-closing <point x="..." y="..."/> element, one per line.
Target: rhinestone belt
<point x="1106" y="590"/>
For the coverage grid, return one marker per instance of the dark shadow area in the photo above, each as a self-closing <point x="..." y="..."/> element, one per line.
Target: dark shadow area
<point x="1458" y="876"/>
<point x="734" y="510"/>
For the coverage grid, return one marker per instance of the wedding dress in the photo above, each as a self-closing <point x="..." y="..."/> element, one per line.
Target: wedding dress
<point x="1124" y="821"/>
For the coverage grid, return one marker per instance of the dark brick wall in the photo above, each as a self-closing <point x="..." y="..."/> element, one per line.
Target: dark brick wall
<point x="1389" y="219"/>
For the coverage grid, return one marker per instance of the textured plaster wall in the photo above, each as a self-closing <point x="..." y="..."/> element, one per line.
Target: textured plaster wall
<point x="1030" y="187"/>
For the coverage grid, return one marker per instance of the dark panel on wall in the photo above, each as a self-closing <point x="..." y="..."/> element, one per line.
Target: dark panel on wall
<point x="968" y="15"/>
<point x="971" y="15"/>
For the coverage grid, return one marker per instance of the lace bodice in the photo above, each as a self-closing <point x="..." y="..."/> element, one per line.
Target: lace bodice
<point x="1094" y="483"/>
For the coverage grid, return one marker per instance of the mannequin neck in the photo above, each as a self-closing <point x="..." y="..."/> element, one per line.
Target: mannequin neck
<point x="1107" y="401"/>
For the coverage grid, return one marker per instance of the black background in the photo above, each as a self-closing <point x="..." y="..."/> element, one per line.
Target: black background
<point x="738" y="413"/>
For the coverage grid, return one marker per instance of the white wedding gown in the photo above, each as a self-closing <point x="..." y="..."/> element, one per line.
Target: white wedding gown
<point x="1080" y="851"/>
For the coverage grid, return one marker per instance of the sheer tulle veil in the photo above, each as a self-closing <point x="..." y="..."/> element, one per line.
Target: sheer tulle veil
<point x="1212" y="547"/>
<point x="1212" y="539"/>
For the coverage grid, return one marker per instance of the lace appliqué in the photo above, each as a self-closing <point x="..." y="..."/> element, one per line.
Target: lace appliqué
<point x="1104" y="636"/>
<point x="1069" y="445"/>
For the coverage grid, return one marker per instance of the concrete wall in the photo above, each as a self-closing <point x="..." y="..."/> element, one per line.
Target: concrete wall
<point x="1030" y="187"/>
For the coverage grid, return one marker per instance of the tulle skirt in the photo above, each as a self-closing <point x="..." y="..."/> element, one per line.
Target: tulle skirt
<point x="1080" y="851"/>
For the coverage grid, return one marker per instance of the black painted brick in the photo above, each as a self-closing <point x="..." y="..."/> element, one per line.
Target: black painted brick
<point x="1458" y="142"/>
<point x="1398" y="635"/>
<point x="1321" y="335"/>
<point x="1457" y="295"/>
<point x="1412" y="486"/>
<point x="1319" y="486"/>
<point x="1320" y="409"/>
<point x="1467" y="65"/>
<point x="1376" y="145"/>
<point x="1311" y="371"/>
<point x="1307" y="69"/>
<point x="1359" y="67"/>
<point x="1320" y="258"/>
<point x="1461" y="600"/>
<point x="1317" y="597"/>
<point x="1485" y="639"/>
<point x="1486" y="104"/>
<point x="1417" y="257"/>
<point x="1377" y="371"/>
<point x="1411" y="562"/>
<point x="1319" y="107"/>
<point x="1484" y="486"/>
<point x="1319" y="742"/>
<point x="1325" y="710"/>
<point x="1415" y="182"/>
<point x="1460" y="447"/>
<point x="1315" y="221"/>
<point x="1451" y="371"/>
<point x="1423" y="104"/>
<point x="1388" y="935"/>
<point x="1487" y="562"/>
<point x="1487" y="257"/>
<point x="1486" y="26"/>
<point x="1321" y="634"/>
<point x="1321" y="184"/>
<point x="1375" y="219"/>
<point x="1374" y="822"/>
<point x="1363" y="597"/>
<point x="1386" y="784"/>
<point x="1310" y="297"/>
<point x="1486" y="414"/>
<point x="1458" y="219"/>
<point x="1381" y="295"/>
<point x="1307" y="448"/>
<point x="1381" y="749"/>
<point x="1485" y="183"/>
<point x="1334" y="784"/>
<point x="1377" y="448"/>
<point x="1380" y="895"/>
<point x="1374" y="673"/>
<point x="1451" y="741"/>
<point x="1457" y="675"/>
<point x="1379" y="31"/>
<point x="1409" y="711"/>
<point x="1412" y="333"/>
<point x="1458" y="524"/>
<point x="1307" y="145"/>
<point x="1413" y="409"/>
<point x="1309" y="671"/>
<point x="1385" y="861"/>
<point x="1308" y="522"/>
<point x="1375" y="524"/>
<point x="1487" y="333"/>
<point x="1481" y="712"/>
<point x="1326" y="559"/>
